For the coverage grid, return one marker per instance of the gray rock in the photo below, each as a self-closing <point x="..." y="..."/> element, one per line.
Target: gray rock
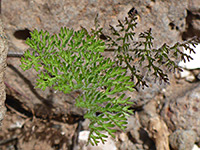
<point x="195" y="147"/>
<point x="183" y="112"/>
<point x="149" y="111"/>
<point x="85" y="124"/>
<point x="125" y="143"/>
<point x="83" y="138"/>
<point x="182" y="139"/>
<point x="138" y="135"/>
<point x="133" y="129"/>
<point x="166" y="18"/>
<point x="194" y="5"/>
<point x="3" y="63"/>
<point x="192" y="20"/>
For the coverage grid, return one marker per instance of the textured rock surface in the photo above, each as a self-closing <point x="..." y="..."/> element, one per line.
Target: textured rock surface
<point x="83" y="136"/>
<point x="170" y="22"/>
<point x="183" y="112"/>
<point x="3" y="55"/>
<point x="195" y="62"/>
<point x="138" y="135"/>
<point x="194" y="5"/>
<point x="191" y="69"/>
<point x="158" y="131"/>
<point x="182" y="139"/>
<point x="166" y="18"/>
<point x="125" y="143"/>
<point x="195" y="147"/>
<point x="192" y="19"/>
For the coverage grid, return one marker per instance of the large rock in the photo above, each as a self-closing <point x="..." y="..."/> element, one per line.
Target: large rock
<point x="3" y="55"/>
<point x="191" y="69"/>
<point x="170" y="22"/>
<point x="166" y="18"/>
<point x="138" y="135"/>
<point x="195" y="62"/>
<point x="83" y="138"/>
<point x="183" y="112"/>
<point x="194" y="5"/>
<point x="182" y="140"/>
<point x="192" y="20"/>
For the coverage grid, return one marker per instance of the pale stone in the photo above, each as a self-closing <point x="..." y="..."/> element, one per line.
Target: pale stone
<point x="192" y="64"/>
<point x="195" y="147"/>
<point x="185" y="73"/>
<point x="83" y="137"/>
<point x="190" y="78"/>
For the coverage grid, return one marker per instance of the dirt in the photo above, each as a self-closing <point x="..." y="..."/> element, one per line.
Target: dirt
<point x="19" y="131"/>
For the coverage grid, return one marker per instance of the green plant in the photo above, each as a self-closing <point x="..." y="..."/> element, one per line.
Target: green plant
<point x="72" y="60"/>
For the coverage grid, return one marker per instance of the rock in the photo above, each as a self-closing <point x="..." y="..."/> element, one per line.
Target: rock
<point x="192" y="20"/>
<point x="141" y="139"/>
<point x="167" y="20"/>
<point x="133" y="129"/>
<point x="140" y="134"/>
<point x="195" y="62"/>
<point x="182" y="139"/>
<point x="3" y="56"/>
<point x="183" y="112"/>
<point x="133" y="122"/>
<point x="125" y="143"/>
<point x="83" y="138"/>
<point x="136" y="136"/>
<point x="194" y="5"/>
<point x="187" y="75"/>
<point x="83" y="135"/>
<point x="123" y="137"/>
<point x="195" y="147"/>
<point x="85" y="124"/>
<point x="159" y="133"/>
<point x="148" y="112"/>
<point x="190" y="69"/>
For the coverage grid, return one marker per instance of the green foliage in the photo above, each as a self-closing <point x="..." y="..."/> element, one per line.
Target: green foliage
<point x="72" y="60"/>
<point x="140" y="55"/>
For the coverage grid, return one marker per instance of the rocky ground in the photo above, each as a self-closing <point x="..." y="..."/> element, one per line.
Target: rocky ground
<point x="166" y="116"/>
